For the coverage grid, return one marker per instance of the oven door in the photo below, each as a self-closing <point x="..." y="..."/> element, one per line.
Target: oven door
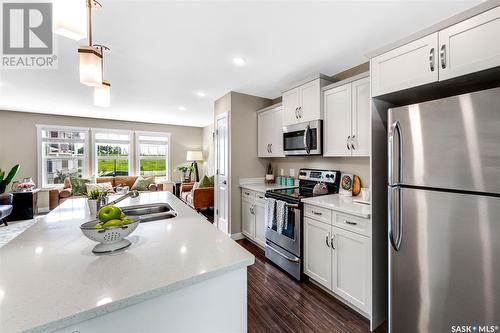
<point x="289" y="238"/>
<point x="303" y="139"/>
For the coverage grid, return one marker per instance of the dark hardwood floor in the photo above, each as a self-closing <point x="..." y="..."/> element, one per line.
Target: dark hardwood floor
<point x="278" y="303"/>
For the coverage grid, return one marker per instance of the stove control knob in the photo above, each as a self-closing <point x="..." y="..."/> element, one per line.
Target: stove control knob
<point x="327" y="176"/>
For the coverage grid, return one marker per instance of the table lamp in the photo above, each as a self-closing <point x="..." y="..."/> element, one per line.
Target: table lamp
<point x="195" y="156"/>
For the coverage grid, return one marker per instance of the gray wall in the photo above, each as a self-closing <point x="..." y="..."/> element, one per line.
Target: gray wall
<point x="18" y="138"/>
<point x="243" y="157"/>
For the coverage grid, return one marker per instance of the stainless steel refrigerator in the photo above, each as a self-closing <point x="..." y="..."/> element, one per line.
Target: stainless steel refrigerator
<point x="444" y="214"/>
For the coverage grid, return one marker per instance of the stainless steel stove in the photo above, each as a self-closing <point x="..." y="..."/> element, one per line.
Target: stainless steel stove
<point x="284" y="230"/>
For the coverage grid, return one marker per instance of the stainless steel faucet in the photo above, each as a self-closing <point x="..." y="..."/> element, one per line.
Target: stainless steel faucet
<point x="102" y="202"/>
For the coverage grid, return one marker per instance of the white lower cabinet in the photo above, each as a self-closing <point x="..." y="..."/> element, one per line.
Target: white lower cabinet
<point x="317" y="252"/>
<point x="260" y="223"/>
<point x="351" y="268"/>
<point x="252" y="216"/>
<point x="340" y="260"/>
<point x="247" y="218"/>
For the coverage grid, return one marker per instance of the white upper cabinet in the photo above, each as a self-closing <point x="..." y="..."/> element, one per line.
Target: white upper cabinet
<point x="361" y="117"/>
<point x="337" y="124"/>
<point x="347" y="119"/>
<point x="470" y="46"/>
<point x="270" y="133"/>
<point x="351" y="268"/>
<point x="466" y="47"/>
<point x="291" y="101"/>
<point x="304" y="103"/>
<point x="408" y="66"/>
<point x="310" y="102"/>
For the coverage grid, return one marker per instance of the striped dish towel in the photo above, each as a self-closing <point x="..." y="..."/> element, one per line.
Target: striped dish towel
<point x="281" y="216"/>
<point x="270" y="213"/>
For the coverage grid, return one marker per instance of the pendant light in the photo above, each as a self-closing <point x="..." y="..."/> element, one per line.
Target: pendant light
<point x="70" y="18"/>
<point x="102" y="93"/>
<point x="90" y="57"/>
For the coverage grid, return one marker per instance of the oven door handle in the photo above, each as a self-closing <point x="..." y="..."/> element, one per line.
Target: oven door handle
<point x="296" y="260"/>
<point x="307" y="139"/>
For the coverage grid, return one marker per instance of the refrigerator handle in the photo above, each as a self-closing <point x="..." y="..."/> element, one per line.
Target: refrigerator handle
<point x="396" y="243"/>
<point x="396" y="127"/>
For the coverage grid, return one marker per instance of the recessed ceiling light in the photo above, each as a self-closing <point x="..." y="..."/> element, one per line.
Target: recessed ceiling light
<point x="239" y="61"/>
<point x="201" y="94"/>
<point x="182" y="108"/>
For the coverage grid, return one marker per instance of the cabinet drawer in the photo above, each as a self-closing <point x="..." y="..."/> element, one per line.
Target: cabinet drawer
<point x="318" y="213"/>
<point x="247" y="194"/>
<point x="353" y="223"/>
<point x="260" y="197"/>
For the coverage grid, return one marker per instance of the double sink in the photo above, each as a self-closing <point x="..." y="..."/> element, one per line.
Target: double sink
<point x="150" y="212"/>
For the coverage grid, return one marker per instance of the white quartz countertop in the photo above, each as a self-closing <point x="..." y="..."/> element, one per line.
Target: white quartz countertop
<point x="341" y="204"/>
<point x="263" y="187"/>
<point x="50" y="279"/>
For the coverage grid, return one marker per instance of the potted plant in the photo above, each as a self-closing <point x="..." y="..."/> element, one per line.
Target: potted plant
<point x="184" y="169"/>
<point x="4" y="182"/>
<point x="92" y="198"/>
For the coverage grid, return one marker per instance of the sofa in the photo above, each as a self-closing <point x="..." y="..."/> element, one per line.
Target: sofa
<point x="5" y="206"/>
<point x="197" y="198"/>
<point x="59" y="195"/>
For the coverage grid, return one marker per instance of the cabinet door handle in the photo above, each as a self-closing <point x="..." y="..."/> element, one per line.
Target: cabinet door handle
<point x="271" y="148"/>
<point x="327" y="239"/>
<point x="247" y="193"/>
<point x="300" y="111"/>
<point x="331" y="241"/>
<point x="431" y="60"/>
<point x="352" y="142"/>
<point x="348" y="139"/>
<point x="316" y="213"/>
<point x="349" y="222"/>
<point x="297" y="113"/>
<point x="443" y="56"/>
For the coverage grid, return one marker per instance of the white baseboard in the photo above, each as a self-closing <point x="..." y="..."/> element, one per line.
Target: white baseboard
<point x="237" y="236"/>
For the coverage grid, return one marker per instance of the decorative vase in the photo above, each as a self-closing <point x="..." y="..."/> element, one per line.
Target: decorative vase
<point x="92" y="206"/>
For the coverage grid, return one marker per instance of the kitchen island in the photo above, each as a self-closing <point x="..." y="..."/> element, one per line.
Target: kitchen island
<point x="180" y="274"/>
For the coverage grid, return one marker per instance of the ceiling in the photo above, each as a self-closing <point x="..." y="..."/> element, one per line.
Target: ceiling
<point x="164" y="52"/>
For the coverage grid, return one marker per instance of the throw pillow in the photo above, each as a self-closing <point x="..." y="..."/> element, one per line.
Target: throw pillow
<point x="79" y="185"/>
<point x="142" y="184"/>
<point x="205" y="182"/>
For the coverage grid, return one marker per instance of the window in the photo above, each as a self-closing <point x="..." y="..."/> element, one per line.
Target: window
<point x="112" y="152"/>
<point x="153" y="151"/>
<point x="62" y="152"/>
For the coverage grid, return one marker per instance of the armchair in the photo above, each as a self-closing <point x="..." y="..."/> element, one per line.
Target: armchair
<point x="197" y="198"/>
<point x="5" y="206"/>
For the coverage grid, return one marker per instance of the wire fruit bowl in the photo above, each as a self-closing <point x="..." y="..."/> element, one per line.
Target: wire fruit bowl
<point x="110" y="239"/>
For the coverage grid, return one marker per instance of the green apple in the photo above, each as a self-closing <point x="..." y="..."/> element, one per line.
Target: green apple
<point x="113" y="223"/>
<point x="108" y="213"/>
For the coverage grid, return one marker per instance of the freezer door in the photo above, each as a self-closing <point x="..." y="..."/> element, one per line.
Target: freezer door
<point x="447" y="269"/>
<point x="452" y="143"/>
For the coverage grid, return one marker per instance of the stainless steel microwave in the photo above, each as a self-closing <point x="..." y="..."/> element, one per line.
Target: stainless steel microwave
<point x="303" y="139"/>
